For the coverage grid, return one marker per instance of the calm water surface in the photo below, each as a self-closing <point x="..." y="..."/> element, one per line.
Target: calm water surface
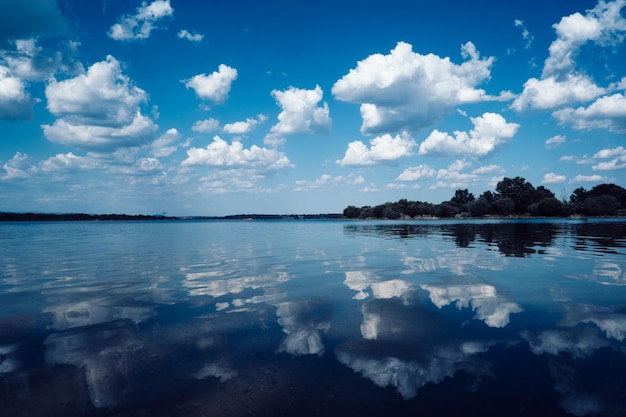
<point x="273" y="318"/>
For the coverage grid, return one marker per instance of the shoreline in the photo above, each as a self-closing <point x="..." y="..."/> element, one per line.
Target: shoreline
<point x="69" y="217"/>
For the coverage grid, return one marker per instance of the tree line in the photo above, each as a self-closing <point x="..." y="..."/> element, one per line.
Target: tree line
<point x="512" y="196"/>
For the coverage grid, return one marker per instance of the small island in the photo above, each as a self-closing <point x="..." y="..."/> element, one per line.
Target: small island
<point x="513" y="197"/>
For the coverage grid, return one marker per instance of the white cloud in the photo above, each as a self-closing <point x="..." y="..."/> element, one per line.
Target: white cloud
<point x="98" y="109"/>
<point x="588" y="178"/>
<point x="384" y="149"/>
<point x="416" y="173"/>
<point x="490" y="131"/>
<point x="552" y="92"/>
<point x="206" y="126"/>
<point x="68" y="162"/>
<point x="95" y="137"/>
<point x="603" y="25"/>
<point x="141" y="24"/>
<point x="160" y="146"/>
<point x="220" y="154"/>
<point x="102" y="95"/>
<point x="139" y="167"/>
<point x="300" y="113"/>
<point x="452" y="177"/>
<point x="405" y="90"/>
<point x="244" y="127"/>
<point x="215" y="86"/>
<point x="555" y="141"/>
<point x="617" y="163"/>
<point x="489" y="169"/>
<point x="560" y="83"/>
<point x="607" y="112"/>
<point x="552" y="178"/>
<point x="525" y="33"/>
<point x="15" y="102"/>
<point x="328" y="180"/>
<point x="19" y="167"/>
<point x="35" y="63"/>
<point x="195" y="37"/>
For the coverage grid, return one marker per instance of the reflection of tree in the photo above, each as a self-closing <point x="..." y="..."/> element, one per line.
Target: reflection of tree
<point x="518" y="238"/>
<point x="600" y="236"/>
<point x="464" y="233"/>
<point x="390" y="230"/>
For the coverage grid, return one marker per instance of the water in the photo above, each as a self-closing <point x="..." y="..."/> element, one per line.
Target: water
<point x="272" y="318"/>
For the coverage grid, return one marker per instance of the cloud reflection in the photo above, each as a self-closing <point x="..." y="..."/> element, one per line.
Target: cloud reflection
<point x="493" y="309"/>
<point x="303" y="321"/>
<point x="362" y="281"/>
<point x="406" y="347"/>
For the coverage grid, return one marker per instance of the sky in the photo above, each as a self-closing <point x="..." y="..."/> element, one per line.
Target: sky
<point x="216" y="108"/>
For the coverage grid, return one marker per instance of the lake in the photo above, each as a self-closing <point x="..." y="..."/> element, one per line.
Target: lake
<point x="307" y="318"/>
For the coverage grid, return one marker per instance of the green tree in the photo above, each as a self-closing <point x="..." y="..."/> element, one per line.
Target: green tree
<point x="462" y="198"/>
<point x="351" y="212"/>
<point x="479" y="207"/>
<point x="521" y="192"/>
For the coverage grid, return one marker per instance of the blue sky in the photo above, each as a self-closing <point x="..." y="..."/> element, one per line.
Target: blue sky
<point x="215" y="108"/>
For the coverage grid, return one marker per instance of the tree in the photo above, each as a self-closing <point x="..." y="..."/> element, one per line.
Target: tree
<point x="462" y="198"/>
<point x="446" y="210"/>
<point x="479" y="207"/>
<point x="505" y="206"/>
<point x="351" y="212"/>
<point x="520" y="191"/>
<point x="549" y="207"/>
<point x="601" y="206"/>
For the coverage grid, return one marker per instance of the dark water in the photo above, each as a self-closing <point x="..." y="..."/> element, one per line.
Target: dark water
<point x="313" y="318"/>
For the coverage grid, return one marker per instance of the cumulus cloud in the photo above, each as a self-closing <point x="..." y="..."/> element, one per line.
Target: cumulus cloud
<point x="555" y="141"/>
<point x="552" y="178"/>
<point x="19" y="167"/>
<point x="244" y="127"/>
<point x="603" y="25"/>
<point x="99" y="109"/>
<point x="215" y="86"/>
<point x="220" y="154"/>
<point x="300" y="113"/>
<point x="140" y="25"/>
<point x="561" y="84"/>
<point x="65" y="163"/>
<point x="416" y="173"/>
<point x="551" y="92"/>
<point x="490" y="131"/>
<point x="617" y="158"/>
<point x="32" y="62"/>
<point x="15" y="102"/>
<point x="607" y="112"/>
<point x="588" y="178"/>
<point x="405" y="90"/>
<point x="206" y="126"/>
<point x="185" y="34"/>
<point x="161" y="147"/>
<point x="384" y="149"/>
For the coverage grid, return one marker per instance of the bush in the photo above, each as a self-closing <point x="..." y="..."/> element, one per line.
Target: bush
<point x="550" y="207"/>
<point x="601" y="206"/>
